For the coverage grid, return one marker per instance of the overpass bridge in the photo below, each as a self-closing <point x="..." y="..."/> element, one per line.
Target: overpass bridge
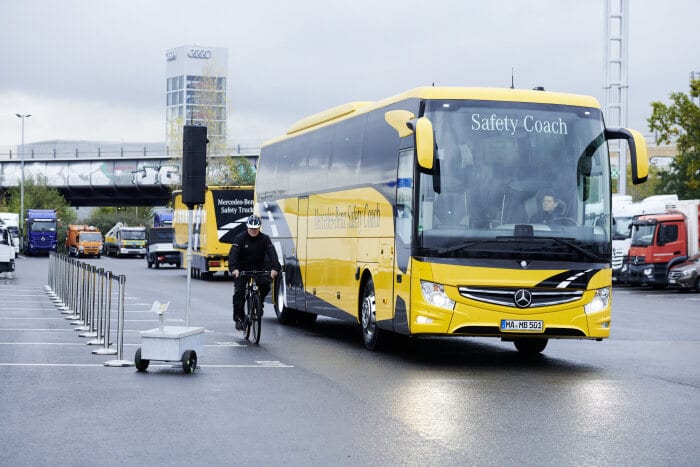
<point x="103" y="180"/>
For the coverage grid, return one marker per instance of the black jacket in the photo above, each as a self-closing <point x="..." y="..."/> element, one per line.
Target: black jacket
<point x="252" y="253"/>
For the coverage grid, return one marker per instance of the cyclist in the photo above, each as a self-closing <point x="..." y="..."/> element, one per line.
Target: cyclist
<point x="251" y="250"/>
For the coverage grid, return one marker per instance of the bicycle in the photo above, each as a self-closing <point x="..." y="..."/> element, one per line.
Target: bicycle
<point x="252" y="319"/>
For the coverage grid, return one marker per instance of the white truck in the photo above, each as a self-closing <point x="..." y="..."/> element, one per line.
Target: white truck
<point x="624" y="211"/>
<point x="7" y="251"/>
<point x="11" y="221"/>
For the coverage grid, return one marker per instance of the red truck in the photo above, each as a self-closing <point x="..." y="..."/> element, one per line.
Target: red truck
<point x="660" y="241"/>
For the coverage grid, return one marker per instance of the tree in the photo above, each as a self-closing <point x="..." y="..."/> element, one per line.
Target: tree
<point x="231" y="170"/>
<point x="38" y="195"/>
<point x="105" y="218"/>
<point x="651" y="187"/>
<point x="680" y="121"/>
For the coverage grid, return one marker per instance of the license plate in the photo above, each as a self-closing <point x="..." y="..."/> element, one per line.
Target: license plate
<point x="521" y="325"/>
<point x="672" y="281"/>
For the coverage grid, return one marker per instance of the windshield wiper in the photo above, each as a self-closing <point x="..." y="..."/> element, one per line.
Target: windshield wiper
<point x="461" y="246"/>
<point x="571" y="244"/>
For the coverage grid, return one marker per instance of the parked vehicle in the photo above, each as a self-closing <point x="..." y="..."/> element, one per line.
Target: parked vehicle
<point x="661" y="241"/>
<point x="83" y="240"/>
<point x="7" y="251"/>
<point x="160" y="247"/>
<point x="163" y="218"/>
<point x="41" y="234"/>
<point x="624" y="212"/>
<point x="686" y="275"/>
<point x="11" y="221"/>
<point x="123" y="240"/>
<point x="214" y="225"/>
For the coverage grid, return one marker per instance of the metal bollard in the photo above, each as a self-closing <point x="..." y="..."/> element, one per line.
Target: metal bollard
<point x="106" y="350"/>
<point x="100" y="309"/>
<point x="73" y="294"/>
<point x="91" y="311"/>
<point x="120" y="362"/>
<point x="64" y="287"/>
<point x="84" y="290"/>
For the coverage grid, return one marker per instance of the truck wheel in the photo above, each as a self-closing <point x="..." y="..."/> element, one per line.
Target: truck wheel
<point x="157" y="264"/>
<point x="148" y="262"/>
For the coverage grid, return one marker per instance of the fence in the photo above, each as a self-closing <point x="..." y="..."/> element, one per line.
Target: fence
<point x="83" y="293"/>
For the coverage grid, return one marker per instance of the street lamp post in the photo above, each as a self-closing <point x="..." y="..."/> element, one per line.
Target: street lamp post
<point x="21" y="180"/>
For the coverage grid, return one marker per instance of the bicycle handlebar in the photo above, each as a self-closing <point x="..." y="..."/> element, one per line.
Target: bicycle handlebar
<point x="252" y="273"/>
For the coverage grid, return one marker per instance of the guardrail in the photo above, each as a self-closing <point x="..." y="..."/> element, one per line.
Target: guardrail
<point x="83" y="293"/>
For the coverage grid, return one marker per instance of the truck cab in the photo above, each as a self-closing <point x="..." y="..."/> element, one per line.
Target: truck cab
<point x="160" y="248"/>
<point x="7" y="251"/>
<point x="123" y="240"/>
<point x="41" y="233"/>
<point x="83" y="240"/>
<point x="661" y="241"/>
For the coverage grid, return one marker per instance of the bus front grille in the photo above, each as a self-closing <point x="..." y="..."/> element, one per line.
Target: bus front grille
<point x="512" y="297"/>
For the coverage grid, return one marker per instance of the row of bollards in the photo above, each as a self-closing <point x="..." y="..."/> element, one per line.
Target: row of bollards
<point x="83" y="293"/>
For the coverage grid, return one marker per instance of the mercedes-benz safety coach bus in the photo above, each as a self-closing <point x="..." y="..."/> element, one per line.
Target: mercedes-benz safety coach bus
<point x="419" y="215"/>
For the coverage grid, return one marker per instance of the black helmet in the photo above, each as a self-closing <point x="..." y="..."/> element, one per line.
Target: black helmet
<point x="253" y="222"/>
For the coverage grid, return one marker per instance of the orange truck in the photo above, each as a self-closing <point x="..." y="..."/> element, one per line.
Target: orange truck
<point x="83" y="240"/>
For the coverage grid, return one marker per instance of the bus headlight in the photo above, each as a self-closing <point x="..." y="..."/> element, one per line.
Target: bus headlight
<point x="435" y="295"/>
<point x="600" y="301"/>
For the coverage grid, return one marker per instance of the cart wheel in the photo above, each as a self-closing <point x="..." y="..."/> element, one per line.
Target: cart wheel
<point x="189" y="361"/>
<point x="140" y="363"/>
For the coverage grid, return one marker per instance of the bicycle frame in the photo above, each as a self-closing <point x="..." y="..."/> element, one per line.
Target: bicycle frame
<point x="253" y="305"/>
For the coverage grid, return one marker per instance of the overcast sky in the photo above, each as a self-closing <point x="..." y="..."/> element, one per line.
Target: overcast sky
<point x="95" y="70"/>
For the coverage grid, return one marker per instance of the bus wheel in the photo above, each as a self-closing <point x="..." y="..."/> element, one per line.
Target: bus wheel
<point x="368" y="315"/>
<point x="530" y="346"/>
<point x="285" y="315"/>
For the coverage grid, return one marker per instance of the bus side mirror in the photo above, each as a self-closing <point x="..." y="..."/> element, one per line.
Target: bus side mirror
<point x="638" y="152"/>
<point x="425" y="143"/>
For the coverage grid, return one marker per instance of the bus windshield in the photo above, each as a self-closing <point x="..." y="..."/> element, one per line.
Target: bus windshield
<point x="498" y="166"/>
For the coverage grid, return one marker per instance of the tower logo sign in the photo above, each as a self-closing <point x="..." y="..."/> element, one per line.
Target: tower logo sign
<point x="199" y="53"/>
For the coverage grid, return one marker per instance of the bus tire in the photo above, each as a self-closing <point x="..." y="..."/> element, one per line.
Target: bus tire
<point x="285" y="315"/>
<point x="368" y="316"/>
<point x="530" y="346"/>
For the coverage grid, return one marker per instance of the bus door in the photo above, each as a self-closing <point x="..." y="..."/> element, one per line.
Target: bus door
<point x="403" y="238"/>
<point x="302" y="234"/>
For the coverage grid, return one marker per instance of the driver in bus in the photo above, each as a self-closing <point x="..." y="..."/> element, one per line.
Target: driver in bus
<point x="550" y="209"/>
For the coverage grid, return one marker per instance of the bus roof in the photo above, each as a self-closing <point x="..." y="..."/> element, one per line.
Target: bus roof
<point x="351" y="109"/>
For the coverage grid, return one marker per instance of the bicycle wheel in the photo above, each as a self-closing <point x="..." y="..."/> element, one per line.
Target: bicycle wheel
<point x="256" y="318"/>
<point x="246" y="317"/>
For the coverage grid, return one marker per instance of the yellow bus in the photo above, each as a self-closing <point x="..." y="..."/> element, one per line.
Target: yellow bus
<point x="418" y="215"/>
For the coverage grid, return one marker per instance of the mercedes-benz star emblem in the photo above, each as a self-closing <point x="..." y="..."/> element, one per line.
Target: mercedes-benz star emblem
<point x="522" y="298"/>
